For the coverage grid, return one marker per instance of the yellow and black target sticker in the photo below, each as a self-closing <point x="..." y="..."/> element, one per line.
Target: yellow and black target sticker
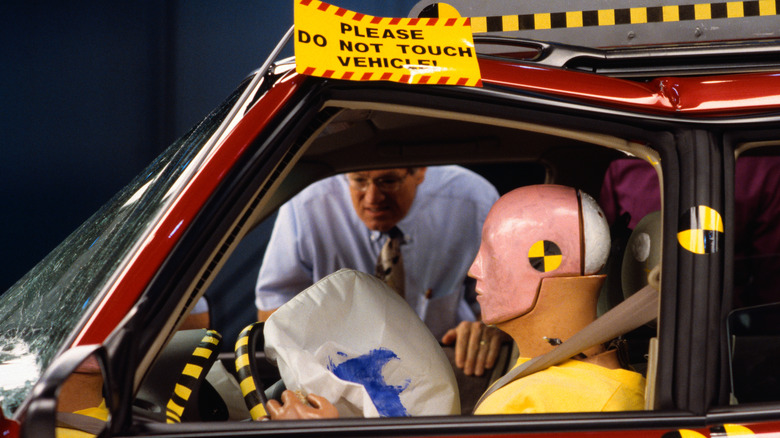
<point x="725" y="430"/>
<point x="730" y="430"/>
<point x="545" y="256"/>
<point x="701" y="230"/>
<point x="683" y="433"/>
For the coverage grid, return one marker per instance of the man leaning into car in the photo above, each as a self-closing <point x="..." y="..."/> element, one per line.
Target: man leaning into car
<point x="344" y="221"/>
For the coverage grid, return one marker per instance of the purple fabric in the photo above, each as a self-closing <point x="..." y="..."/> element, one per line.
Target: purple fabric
<point x="631" y="186"/>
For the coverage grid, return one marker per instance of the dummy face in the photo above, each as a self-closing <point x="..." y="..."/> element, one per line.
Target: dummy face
<point x="522" y="226"/>
<point x="493" y="275"/>
<point x="383" y="197"/>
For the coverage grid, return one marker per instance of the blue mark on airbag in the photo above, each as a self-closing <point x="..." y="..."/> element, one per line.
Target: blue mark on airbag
<point x="367" y="371"/>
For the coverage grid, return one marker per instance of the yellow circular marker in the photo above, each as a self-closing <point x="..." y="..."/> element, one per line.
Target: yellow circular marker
<point x="545" y="256"/>
<point x="700" y="230"/>
<point x="683" y="433"/>
<point x="447" y="11"/>
<point x="730" y="430"/>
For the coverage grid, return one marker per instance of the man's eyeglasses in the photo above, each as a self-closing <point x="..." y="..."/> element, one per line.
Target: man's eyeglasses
<point x="388" y="184"/>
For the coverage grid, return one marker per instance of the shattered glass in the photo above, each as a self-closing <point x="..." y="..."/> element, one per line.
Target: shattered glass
<point x="40" y="312"/>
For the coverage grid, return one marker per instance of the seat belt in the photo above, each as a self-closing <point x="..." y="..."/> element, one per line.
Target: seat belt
<point x="633" y="312"/>
<point x="84" y="423"/>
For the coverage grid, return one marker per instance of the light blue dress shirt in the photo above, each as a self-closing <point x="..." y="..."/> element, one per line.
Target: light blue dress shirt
<point x="318" y="232"/>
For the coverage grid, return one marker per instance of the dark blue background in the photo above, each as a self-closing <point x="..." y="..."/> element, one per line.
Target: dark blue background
<point x="93" y="90"/>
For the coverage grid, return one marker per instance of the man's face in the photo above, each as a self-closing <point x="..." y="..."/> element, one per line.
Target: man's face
<point x="383" y="197"/>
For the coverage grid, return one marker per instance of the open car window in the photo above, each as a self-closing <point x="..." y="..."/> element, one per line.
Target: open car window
<point x="752" y="325"/>
<point x="508" y="152"/>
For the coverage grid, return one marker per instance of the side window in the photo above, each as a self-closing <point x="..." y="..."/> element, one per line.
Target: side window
<point x="755" y="351"/>
<point x="754" y="325"/>
<point x="757" y="227"/>
<point x="494" y="153"/>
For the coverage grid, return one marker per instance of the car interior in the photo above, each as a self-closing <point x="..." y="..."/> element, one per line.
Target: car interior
<point x="358" y="135"/>
<point x="509" y="153"/>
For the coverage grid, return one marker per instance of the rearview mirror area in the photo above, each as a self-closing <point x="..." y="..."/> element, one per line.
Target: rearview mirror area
<point x="70" y="399"/>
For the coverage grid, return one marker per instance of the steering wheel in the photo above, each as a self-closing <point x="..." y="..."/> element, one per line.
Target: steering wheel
<point x="246" y="368"/>
<point x="175" y="388"/>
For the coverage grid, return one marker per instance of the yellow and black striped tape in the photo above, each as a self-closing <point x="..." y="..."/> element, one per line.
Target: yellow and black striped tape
<point x="637" y="15"/>
<point x="252" y="396"/>
<point x="191" y="375"/>
<point x="545" y="256"/>
<point x="700" y="230"/>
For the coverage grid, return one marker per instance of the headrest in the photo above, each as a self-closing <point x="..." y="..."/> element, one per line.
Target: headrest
<point x="643" y="253"/>
<point x="353" y="340"/>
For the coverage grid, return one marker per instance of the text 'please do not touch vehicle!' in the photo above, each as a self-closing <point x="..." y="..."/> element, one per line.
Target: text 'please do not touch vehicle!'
<point x="628" y="251"/>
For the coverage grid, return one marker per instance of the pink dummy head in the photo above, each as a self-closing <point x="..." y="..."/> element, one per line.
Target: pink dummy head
<point x="532" y="233"/>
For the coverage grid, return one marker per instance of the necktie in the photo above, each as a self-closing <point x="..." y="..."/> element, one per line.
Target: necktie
<point x="390" y="265"/>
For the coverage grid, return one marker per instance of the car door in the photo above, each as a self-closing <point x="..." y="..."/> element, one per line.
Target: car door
<point x="555" y="135"/>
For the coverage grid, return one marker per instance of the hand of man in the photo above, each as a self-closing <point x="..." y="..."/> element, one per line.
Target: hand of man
<point x="294" y="407"/>
<point x="476" y="346"/>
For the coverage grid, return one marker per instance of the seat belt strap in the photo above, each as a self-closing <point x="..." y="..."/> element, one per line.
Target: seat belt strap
<point x="84" y="423"/>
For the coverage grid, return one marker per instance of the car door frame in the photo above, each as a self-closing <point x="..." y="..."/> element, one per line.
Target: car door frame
<point x="203" y="240"/>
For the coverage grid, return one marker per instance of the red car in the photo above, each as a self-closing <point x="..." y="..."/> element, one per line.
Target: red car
<point x="690" y="130"/>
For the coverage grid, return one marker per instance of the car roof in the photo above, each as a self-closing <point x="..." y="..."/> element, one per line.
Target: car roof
<point x="612" y="23"/>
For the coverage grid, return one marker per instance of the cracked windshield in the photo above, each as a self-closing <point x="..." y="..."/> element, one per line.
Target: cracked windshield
<point x="39" y="312"/>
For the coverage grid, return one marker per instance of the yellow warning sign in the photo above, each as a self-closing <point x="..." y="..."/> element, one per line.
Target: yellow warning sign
<point x="333" y="42"/>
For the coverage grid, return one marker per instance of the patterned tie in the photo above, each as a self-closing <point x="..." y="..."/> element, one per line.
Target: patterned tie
<point x="390" y="266"/>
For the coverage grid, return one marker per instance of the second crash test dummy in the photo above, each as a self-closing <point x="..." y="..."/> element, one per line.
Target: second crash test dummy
<point x="541" y="249"/>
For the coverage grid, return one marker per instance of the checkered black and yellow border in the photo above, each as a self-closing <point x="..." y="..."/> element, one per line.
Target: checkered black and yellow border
<point x="612" y="17"/>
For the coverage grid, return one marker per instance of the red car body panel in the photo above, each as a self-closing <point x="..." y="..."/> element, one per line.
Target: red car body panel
<point x="690" y="96"/>
<point x="8" y="428"/>
<point x="136" y="276"/>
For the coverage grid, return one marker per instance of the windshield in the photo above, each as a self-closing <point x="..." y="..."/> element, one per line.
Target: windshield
<point x="38" y="313"/>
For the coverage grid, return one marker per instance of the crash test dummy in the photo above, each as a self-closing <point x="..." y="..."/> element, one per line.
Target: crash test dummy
<point x="536" y="281"/>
